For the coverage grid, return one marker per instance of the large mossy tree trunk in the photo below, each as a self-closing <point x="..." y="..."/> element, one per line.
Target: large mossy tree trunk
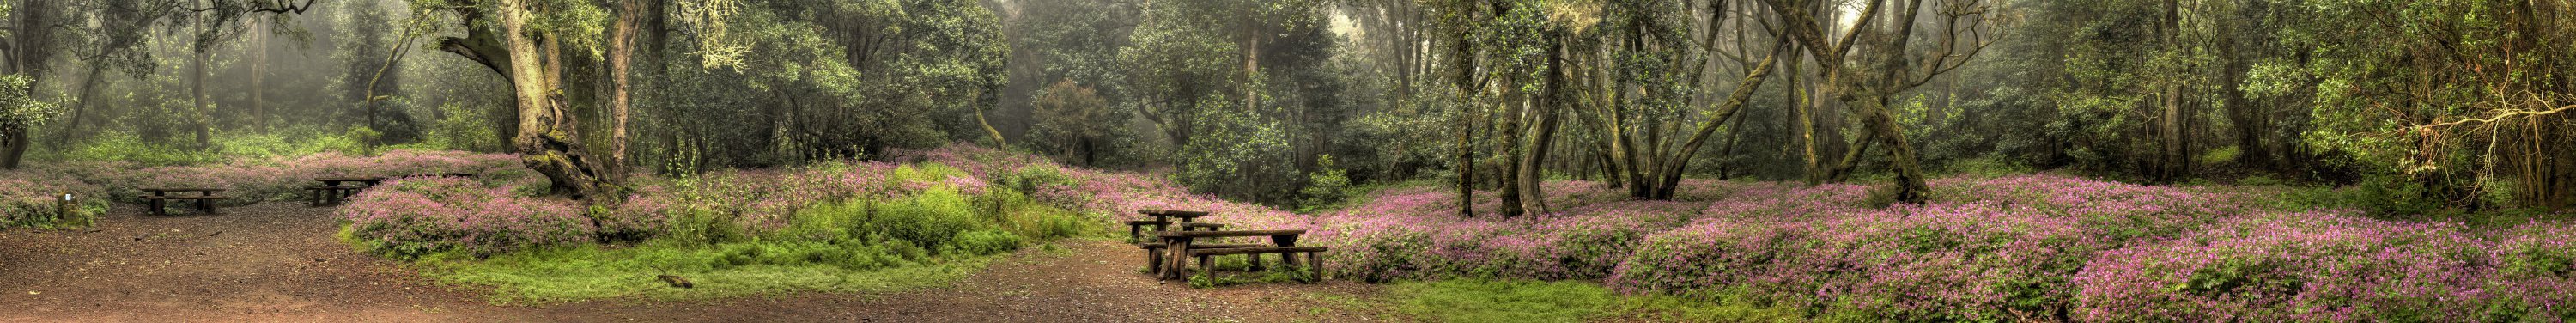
<point x="547" y="139"/>
<point x="13" y="146"/>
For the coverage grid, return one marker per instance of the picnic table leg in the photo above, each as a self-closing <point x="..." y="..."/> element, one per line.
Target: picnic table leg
<point x="1316" y="264"/>
<point x="1154" y="263"/>
<point x="1207" y="269"/>
<point x="1285" y="241"/>
<point x="1179" y="258"/>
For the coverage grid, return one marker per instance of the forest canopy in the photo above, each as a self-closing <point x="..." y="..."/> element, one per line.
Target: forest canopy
<point x="2427" y="106"/>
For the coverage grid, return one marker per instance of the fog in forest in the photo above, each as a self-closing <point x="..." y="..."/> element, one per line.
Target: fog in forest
<point x="868" y="137"/>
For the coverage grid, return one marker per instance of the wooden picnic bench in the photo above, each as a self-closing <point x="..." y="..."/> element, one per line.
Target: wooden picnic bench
<point x="159" y="200"/>
<point x="336" y="190"/>
<point x="1178" y="245"/>
<point x="1163" y="220"/>
<point x="1154" y="253"/>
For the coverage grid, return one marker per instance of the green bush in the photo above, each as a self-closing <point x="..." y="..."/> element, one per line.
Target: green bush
<point x="125" y="146"/>
<point x="1987" y="167"/>
<point x="2380" y="196"/>
<point x="463" y="129"/>
<point x="985" y="242"/>
<point x="1033" y="177"/>
<point x="932" y="218"/>
<point x="1324" y="188"/>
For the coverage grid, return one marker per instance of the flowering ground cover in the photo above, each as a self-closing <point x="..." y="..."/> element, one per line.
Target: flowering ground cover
<point x="831" y="227"/>
<point x="2016" y="247"/>
<point x="2019" y="247"/>
<point x="28" y="197"/>
<point x="283" y="178"/>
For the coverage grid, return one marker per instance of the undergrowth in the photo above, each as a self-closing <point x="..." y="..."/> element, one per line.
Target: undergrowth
<point x="925" y="236"/>
<point x="596" y="272"/>
<point x="1481" y="301"/>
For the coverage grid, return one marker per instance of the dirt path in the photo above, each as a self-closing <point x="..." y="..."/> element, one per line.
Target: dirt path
<point x="277" y="262"/>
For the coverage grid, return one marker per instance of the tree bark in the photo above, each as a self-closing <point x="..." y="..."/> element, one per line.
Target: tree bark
<point x="1465" y="84"/>
<point x="203" y="113"/>
<point x="1848" y="86"/>
<point x="89" y="87"/>
<point x="1910" y="186"/>
<point x="621" y="57"/>
<point x="2169" y="125"/>
<point x="1514" y="111"/>
<point x="1671" y="174"/>
<point x="15" y="149"/>
<point x="547" y="139"/>
<point x="1533" y="199"/>
<point x="258" y="77"/>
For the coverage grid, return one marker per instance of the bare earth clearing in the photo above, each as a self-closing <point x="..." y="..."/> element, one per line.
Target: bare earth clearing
<point x="277" y="262"/>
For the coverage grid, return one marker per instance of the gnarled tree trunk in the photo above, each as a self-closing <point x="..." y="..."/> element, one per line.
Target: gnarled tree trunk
<point x="547" y="139"/>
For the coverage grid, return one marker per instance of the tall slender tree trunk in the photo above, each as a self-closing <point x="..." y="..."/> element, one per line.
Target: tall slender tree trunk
<point x="1533" y="198"/>
<point x="621" y="60"/>
<point x="1803" y="102"/>
<point x="1466" y="158"/>
<point x="204" y="114"/>
<point x="80" y="109"/>
<point x="1670" y="176"/>
<point x="1514" y="111"/>
<point x="1464" y="82"/>
<point x="258" y="77"/>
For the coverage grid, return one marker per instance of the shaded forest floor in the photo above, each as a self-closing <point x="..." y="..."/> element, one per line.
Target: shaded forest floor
<point x="278" y="262"/>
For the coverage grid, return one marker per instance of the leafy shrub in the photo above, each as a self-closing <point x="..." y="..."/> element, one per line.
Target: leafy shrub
<point x="1324" y="188"/>
<point x="1989" y="166"/>
<point x="128" y="147"/>
<point x="933" y="218"/>
<point x="414" y="217"/>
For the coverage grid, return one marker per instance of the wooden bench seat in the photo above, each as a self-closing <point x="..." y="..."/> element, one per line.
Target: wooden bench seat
<point x="1136" y="229"/>
<point x="208" y="197"/>
<point x="1154" y="253"/>
<point x="332" y="195"/>
<point x="1286" y="256"/>
<point x="160" y="203"/>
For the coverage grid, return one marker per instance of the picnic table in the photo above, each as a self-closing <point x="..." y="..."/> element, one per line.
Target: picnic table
<point x="161" y="196"/>
<point x="333" y="191"/>
<point x="1181" y="246"/>
<point x="1163" y="220"/>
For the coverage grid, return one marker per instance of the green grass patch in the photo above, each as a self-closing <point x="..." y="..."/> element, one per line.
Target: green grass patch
<point x="859" y="246"/>
<point x="594" y="272"/>
<point x="1563" y="301"/>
